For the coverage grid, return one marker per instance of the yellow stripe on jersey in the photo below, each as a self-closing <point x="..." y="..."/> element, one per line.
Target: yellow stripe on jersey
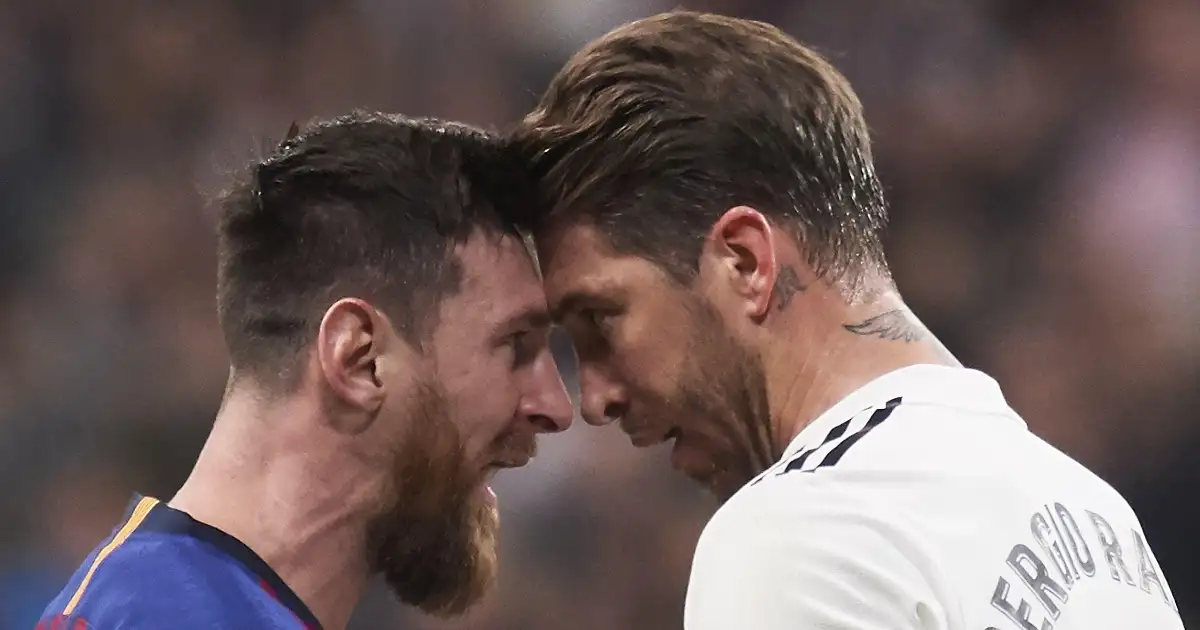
<point x="135" y="520"/>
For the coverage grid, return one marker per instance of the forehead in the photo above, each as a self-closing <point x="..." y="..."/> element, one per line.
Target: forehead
<point x="499" y="279"/>
<point x="577" y="260"/>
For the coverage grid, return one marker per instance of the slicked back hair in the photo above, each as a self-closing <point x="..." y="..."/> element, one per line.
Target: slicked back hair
<point x="653" y="131"/>
<point x="367" y="205"/>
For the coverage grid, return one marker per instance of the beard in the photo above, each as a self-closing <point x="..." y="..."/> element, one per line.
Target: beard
<point x="435" y="541"/>
<point x="719" y="401"/>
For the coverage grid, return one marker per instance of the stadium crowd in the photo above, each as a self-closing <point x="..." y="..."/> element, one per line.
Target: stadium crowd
<point x="1042" y="160"/>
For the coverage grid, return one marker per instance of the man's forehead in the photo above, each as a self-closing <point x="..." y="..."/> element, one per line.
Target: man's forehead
<point x="579" y="266"/>
<point x="572" y="257"/>
<point x="504" y="300"/>
<point x="499" y="274"/>
<point x="483" y="255"/>
<point x="572" y="239"/>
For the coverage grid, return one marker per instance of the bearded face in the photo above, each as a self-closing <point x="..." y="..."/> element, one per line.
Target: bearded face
<point x="714" y="407"/>
<point x="489" y="387"/>
<point x="435" y="541"/>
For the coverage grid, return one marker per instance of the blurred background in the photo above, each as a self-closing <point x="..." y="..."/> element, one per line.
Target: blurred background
<point x="1042" y="158"/>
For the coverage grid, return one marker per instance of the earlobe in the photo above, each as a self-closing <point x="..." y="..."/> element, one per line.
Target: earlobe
<point x="747" y="239"/>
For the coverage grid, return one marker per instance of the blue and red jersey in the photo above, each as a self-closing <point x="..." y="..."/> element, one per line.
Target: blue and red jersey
<point x="163" y="569"/>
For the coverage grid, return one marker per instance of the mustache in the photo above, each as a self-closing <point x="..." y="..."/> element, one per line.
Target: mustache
<point x="648" y="409"/>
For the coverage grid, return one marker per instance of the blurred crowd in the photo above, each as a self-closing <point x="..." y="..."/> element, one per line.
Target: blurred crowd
<point x="1042" y="159"/>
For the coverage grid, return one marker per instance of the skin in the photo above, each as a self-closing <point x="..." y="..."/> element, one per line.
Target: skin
<point x="377" y="463"/>
<point x="734" y="366"/>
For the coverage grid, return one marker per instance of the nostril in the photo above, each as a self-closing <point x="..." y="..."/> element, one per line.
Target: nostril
<point x="546" y="424"/>
<point x="614" y="411"/>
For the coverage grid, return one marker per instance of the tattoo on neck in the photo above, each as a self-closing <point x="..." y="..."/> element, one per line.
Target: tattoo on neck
<point x="893" y="325"/>
<point x="787" y="285"/>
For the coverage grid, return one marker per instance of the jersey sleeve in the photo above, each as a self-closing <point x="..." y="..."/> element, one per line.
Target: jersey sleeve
<point x="808" y="566"/>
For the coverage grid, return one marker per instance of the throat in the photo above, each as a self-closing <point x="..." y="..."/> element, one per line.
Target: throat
<point x="765" y="446"/>
<point x="317" y="548"/>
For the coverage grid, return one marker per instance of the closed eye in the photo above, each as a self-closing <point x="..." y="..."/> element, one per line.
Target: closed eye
<point x="525" y="345"/>
<point x="597" y="320"/>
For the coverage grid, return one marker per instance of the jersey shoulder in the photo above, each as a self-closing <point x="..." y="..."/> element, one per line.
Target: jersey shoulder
<point x="162" y="580"/>
<point x="984" y="516"/>
<point x="950" y="445"/>
<point x="818" y="558"/>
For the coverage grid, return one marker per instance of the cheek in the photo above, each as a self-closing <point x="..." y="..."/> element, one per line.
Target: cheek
<point x="651" y="356"/>
<point x="653" y="374"/>
<point x="483" y="407"/>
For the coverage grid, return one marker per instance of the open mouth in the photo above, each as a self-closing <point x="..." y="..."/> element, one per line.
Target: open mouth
<point x="652" y="439"/>
<point x="489" y="471"/>
<point x="512" y="461"/>
<point x="679" y="455"/>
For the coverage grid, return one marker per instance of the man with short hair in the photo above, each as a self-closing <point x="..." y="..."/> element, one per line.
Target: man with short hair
<point x="710" y="234"/>
<point x="388" y="337"/>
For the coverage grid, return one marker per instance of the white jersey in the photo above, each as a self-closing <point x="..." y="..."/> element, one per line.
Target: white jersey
<point x="922" y="501"/>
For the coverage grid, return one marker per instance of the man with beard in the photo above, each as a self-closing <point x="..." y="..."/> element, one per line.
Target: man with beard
<point x="710" y="234"/>
<point x="388" y="338"/>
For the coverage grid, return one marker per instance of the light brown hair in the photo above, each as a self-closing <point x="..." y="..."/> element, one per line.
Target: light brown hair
<point x="654" y="130"/>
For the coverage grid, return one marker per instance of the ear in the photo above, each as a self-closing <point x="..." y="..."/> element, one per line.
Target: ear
<point x="351" y="338"/>
<point x="742" y="244"/>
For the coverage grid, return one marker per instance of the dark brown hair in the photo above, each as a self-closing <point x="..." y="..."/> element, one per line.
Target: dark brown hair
<point x="654" y="130"/>
<point x="366" y="205"/>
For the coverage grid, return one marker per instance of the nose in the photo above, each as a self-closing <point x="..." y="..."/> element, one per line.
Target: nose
<point x="545" y="402"/>
<point x="603" y="400"/>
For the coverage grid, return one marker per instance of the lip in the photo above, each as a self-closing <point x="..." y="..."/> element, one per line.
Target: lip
<point x="642" y="440"/>
<point x="677" y="457"/>
<point x="515" y="461"/>
<point x="645" y="438"/>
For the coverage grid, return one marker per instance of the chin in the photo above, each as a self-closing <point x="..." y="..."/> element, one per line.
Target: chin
<point x="480" y="567"/>
<point x="445" y="566"/>
<point x="434" y="542"/>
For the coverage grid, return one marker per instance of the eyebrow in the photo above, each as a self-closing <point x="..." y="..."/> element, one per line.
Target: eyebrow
<point x="575" y="301"/>
<point x="569" y="303"/>
<point x="532" y="317"/>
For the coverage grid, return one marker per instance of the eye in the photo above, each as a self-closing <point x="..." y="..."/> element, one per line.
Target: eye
<point x="524" y="347"/>
<point x="601" y="322"/>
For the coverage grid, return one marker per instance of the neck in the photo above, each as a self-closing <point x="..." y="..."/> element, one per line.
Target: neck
<point x="835" y="352"/>
<point x="301" y="509"/>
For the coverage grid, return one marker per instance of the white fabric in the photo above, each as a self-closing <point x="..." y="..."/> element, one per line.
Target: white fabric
<point x="946" y="514"/>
